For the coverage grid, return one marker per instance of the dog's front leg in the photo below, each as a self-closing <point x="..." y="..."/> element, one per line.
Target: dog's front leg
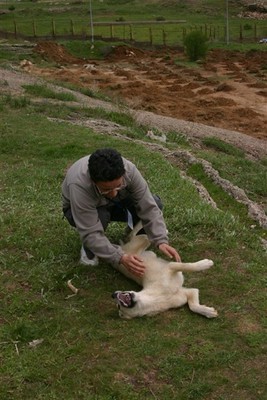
<point x="193" y="303"/>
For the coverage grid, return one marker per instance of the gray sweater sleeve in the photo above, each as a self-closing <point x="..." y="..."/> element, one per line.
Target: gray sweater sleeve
<point x="147" y="209"/>
<point x="89" y="226"/>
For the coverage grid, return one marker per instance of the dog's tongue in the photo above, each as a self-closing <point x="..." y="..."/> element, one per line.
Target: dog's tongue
<point x="125" y="299"/>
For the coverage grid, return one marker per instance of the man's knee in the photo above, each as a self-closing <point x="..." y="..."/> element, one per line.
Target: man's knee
<point x="68" y="215"/>
<point x="158" y="201"/>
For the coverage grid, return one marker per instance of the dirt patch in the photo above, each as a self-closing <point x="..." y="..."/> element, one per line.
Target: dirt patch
<point x="51" y="51"/>
<point x="228" y="90"/>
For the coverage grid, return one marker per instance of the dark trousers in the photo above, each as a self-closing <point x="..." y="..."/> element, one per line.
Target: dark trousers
<point x="115" y="210"/>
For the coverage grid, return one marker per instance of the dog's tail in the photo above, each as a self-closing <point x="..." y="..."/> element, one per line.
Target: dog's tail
<point x="190" y="267"/>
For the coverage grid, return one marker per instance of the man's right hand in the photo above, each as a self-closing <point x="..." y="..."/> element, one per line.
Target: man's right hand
<point x="133" y="263"/>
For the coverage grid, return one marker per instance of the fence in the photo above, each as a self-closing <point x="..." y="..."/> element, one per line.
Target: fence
<point x="167" y="33"/>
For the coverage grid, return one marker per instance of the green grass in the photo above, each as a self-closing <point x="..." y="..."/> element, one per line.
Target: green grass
<point x="87" y="351"/>
<point x="235" y="167"/>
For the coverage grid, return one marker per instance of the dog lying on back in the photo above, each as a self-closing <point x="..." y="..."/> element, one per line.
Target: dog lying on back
<point x="162" y="283"/>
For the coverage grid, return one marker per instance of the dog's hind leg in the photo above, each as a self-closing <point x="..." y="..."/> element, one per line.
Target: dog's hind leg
<point x="135" y="230"/>
<point x="193" y="303"/>
<point x="190" y="267"/>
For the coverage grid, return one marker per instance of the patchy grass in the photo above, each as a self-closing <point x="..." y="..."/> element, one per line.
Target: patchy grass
<point x="220" y="145"/>
<point x="87" y="352"/>
<point x="46" y="92"/>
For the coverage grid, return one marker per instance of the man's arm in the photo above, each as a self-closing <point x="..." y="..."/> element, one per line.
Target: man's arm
<point x="90" y="227"/>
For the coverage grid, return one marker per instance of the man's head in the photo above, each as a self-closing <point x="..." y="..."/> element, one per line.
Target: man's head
<point x="106" y="169"/>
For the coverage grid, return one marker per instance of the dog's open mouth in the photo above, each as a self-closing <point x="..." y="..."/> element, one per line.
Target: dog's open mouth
<point x="125" y="299"/>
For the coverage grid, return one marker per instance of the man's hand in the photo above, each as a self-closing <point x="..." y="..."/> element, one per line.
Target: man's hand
<point x="133" y="263"/>
<point x="169" y="251"/>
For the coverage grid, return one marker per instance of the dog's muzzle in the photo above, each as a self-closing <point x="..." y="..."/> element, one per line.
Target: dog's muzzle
<point x="124" y="299"/>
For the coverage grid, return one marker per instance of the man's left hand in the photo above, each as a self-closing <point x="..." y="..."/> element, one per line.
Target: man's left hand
<point x="169" y="251"/>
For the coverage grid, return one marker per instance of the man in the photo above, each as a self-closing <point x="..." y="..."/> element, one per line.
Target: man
<point x="105" y="187"/>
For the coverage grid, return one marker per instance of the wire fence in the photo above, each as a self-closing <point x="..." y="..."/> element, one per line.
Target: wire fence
<point x="167" y="33"/>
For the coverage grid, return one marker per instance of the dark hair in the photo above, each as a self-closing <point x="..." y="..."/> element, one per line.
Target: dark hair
<point x="105" y="165"/>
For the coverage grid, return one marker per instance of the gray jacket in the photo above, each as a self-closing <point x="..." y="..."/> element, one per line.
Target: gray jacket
<point x="81" y="195"/>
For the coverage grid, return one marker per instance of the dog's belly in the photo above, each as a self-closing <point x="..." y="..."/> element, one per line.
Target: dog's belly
<point x="154" y="302"/>
<point x="158" y="275"/>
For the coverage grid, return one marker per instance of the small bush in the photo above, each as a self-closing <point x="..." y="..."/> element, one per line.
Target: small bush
<point x="160" y="19"/>
<point x="247" y="27"/>
<point x="11" y="8"/>
<point x="195" y="45"/>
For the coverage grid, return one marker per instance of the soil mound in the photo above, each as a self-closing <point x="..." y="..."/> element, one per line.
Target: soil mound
<point x="122" y="52"/>
<point x="52" y="51"/>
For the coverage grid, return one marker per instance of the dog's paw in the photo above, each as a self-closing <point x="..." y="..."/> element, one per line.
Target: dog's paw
<point x="210" y="312"/>
<point x="205" y="264"/>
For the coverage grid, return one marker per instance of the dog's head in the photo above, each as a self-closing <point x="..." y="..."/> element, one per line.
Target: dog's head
<point x="126" y="302"/>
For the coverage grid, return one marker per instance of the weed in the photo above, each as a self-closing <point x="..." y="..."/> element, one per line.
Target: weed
<point x="14" y="102"/>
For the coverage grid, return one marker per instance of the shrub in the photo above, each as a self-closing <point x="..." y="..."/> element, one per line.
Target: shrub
<point x="247" y="27"/>
<point x="195" y="45"/>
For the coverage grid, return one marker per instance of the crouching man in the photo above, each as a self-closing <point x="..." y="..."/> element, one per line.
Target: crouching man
<point x="104" y="187"/>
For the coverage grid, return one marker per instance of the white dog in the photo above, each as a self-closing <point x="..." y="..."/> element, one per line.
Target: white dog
<point x="162" y="284"/>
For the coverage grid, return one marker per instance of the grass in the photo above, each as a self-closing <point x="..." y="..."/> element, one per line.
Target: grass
<point x="231" y="162"/>
<point x="87" y="352"/>
<point x="46" y="92"/>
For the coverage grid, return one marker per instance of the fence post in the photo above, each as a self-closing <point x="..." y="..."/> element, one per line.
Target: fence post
<point x="71" y="27"/>
<point x="150" y="36"/>
<point x="131" y="32"/>
<point x="164" y="37"/>
<point x="206" y="30"/>
<point x="53" y="28"/>
<point x="111" y="31"/>
<point x="241" y="33"/>
<point x="184" y="34"/>
<point x="210" y="35"/>
<point x="34" y="28"/>
<point x="255" y="31"/>
<point x="15" y="29"/>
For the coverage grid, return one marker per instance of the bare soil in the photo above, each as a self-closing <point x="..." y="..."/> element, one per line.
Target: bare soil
<point x="228" y="90"/>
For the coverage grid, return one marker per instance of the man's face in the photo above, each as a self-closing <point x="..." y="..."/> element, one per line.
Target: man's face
<point x="110" y="189"/>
